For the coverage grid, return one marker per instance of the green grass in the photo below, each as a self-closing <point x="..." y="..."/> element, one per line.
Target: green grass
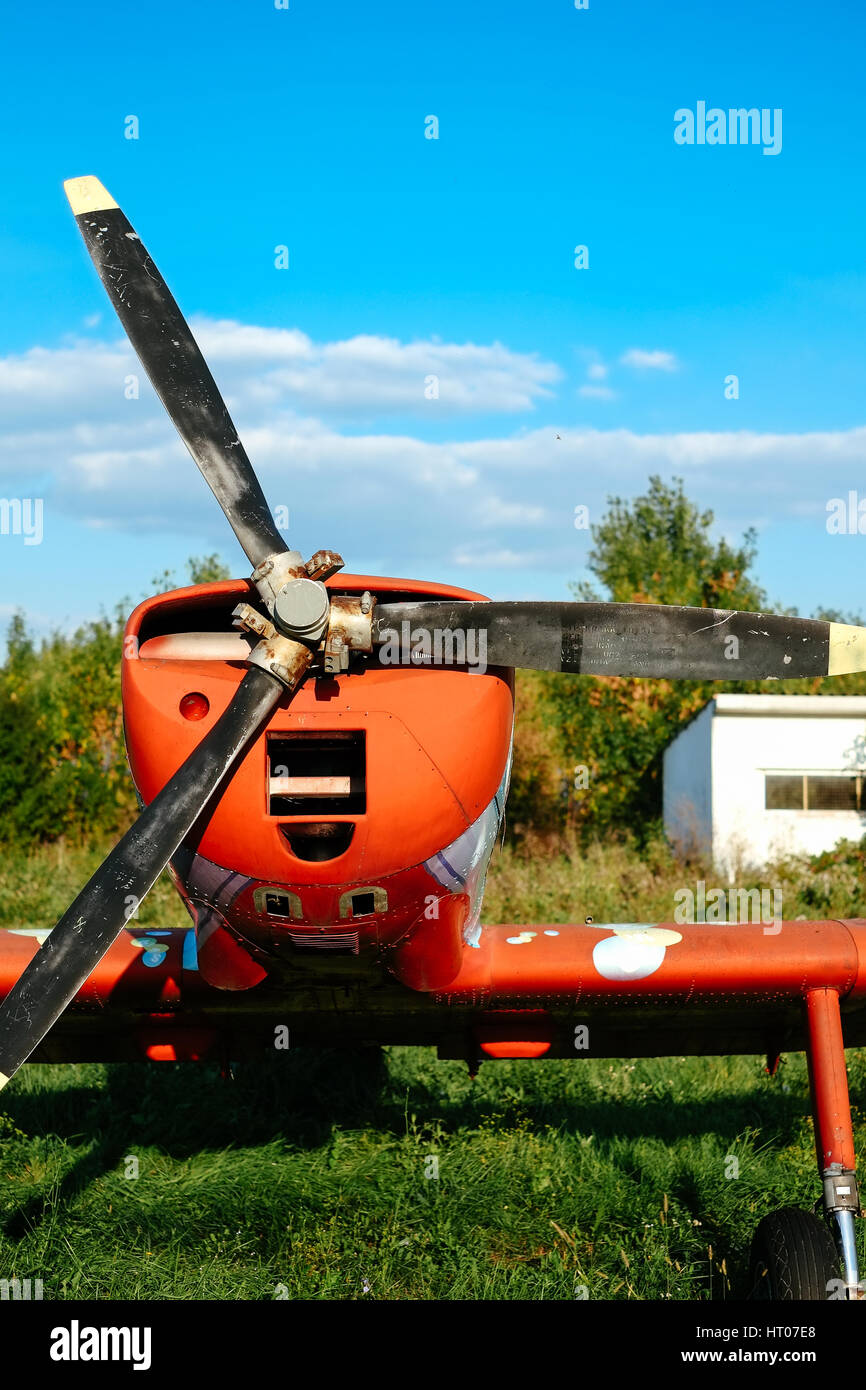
<point x="37" y="886"/>
<point x="310" y="1176"/>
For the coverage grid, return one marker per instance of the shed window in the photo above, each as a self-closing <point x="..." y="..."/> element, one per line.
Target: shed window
<point x="807" y="792"/>
<point x="784" y="793"/>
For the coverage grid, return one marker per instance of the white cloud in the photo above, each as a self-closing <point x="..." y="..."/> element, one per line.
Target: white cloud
<point x="267" y="369"/>
<point x="366" y="374"/>
<point x="656" y="360"/>
<point x="84" y="374"/>
<point x="494" y="512"/>
<point x="393" y="502"/>
<point x="601" y="393"/>
<point x="497" y="559"/>
<point x="411" y="502"/>
<point x="226" y="340"/>
<point x="597" y="371"/>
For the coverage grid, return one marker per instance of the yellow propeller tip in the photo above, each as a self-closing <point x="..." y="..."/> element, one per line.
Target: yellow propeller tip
<point x="87" y="194"/>
<point x="847" y="649"/>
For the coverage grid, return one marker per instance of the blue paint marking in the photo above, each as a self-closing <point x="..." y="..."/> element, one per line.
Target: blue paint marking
<point x="153" y="958"/>
<point x="190" y="952"/>
<point x="452" y="872"/>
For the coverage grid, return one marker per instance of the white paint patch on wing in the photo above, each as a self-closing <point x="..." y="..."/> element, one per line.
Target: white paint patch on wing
<point x="638" y="931"/>
<point x="522" y="939"/>
<point x="633" y="952"/>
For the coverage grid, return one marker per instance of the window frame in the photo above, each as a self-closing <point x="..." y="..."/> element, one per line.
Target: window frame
<point x="858" y="778"/>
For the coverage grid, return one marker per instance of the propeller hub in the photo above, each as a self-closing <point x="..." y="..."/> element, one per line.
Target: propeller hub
<point x="301" y="609"/>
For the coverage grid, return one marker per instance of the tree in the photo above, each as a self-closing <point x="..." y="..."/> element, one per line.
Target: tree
<point x="206" y="569"/>
<point x="658" y="549"/>
<point x="202" y="569"/>
<point x="62" y="763"/>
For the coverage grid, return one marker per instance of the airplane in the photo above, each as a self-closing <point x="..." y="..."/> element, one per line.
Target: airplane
<point x="322" y="761"/>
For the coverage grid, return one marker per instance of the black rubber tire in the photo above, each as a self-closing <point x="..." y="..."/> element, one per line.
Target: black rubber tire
<point x="793" y="1257"/>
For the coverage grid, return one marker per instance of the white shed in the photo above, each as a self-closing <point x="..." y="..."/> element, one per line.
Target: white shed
<point x="753" y="776"/>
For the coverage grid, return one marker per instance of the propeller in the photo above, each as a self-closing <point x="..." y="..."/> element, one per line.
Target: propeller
<point x="595" y="639"/>
<point x="171" y="357"/>
<point x="616" y="639"/>
<point x="278" y="663"/>
<point x="308" y="623"/>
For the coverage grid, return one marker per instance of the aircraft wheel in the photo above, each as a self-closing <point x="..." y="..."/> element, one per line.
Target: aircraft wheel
<point x="793" y="1257"/>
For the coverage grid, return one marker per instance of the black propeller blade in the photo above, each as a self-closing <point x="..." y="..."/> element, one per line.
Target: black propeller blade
<point x="616" y="639"/>
<point x="171" y="357"/>
<point x="87" y="929"/>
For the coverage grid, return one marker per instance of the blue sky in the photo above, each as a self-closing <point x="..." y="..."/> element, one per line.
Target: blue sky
<point x="453" y="257"/>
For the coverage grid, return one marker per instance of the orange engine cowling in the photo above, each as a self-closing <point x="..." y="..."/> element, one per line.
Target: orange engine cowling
<point x="368" y="798"/>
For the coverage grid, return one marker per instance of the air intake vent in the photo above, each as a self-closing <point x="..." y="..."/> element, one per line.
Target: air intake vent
<point x="319" y="841"/>
<point x="332" y="941"/>
<point x="317" y="774"/>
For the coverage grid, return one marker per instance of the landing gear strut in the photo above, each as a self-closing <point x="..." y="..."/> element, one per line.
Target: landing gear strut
<point x="794" y="1254"/>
